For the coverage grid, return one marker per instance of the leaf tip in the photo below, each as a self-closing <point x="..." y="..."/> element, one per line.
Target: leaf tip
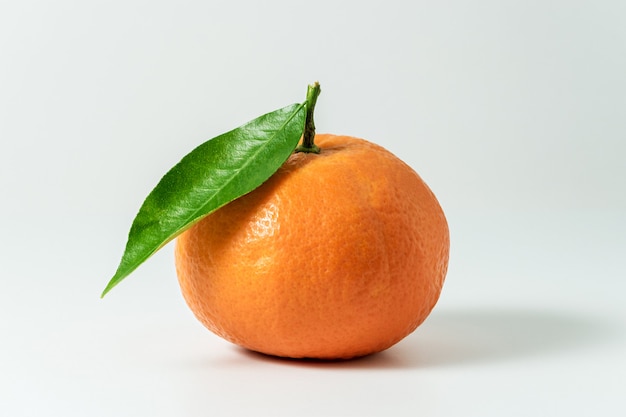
<point x="106" y="290"/>
<point x="112" y="283"/>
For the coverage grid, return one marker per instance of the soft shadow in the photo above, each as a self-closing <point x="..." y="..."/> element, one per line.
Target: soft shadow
<point x="473" y="336"/>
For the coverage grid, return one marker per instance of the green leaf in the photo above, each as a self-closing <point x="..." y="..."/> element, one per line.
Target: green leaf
<point x="215" y="173"/>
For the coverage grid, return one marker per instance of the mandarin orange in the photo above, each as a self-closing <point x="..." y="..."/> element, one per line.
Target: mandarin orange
<point x="339" y="254"/>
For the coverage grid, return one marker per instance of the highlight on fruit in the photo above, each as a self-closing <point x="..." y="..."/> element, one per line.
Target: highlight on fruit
<point x="297" y="244"/>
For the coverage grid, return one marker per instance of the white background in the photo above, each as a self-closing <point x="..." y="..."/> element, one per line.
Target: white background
<point x="514" y="112"/>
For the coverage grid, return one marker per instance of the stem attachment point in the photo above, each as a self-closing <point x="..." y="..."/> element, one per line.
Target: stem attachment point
<point x="308" y="138"/>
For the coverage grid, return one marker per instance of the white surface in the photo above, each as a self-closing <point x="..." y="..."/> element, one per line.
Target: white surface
<point x="513" y="112"/>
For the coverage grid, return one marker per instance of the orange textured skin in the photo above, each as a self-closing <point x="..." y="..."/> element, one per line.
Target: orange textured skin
<point x="338" y="255"/>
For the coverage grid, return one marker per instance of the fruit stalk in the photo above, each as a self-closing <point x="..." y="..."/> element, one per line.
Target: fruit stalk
<point x="308" y="138"/>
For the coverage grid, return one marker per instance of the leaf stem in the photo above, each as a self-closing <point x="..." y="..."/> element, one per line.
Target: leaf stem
<point x="308" y="139"/>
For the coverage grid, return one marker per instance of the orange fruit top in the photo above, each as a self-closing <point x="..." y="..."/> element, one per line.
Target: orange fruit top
<point x="339" y="254"/>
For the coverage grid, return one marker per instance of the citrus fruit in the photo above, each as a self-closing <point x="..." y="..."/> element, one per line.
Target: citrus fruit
<point x="339" y="254"/>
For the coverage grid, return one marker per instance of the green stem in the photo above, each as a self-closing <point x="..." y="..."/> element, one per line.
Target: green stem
<point x="308" y="139"/>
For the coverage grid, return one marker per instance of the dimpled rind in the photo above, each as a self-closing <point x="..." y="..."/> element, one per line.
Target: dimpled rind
<point x="338" y="255"/>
